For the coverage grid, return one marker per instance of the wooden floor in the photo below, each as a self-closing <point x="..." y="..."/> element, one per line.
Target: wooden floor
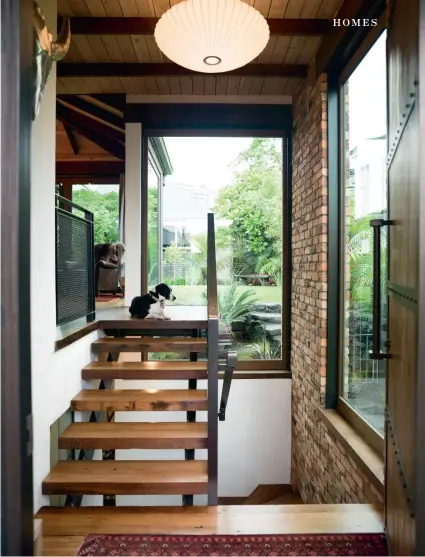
<point x="65" y="529"/>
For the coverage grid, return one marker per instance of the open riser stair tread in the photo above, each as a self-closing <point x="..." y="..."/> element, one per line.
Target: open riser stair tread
<point x="134" y="435"/>
<point x="127" y="477"/>
<point x="146" y="370"/>
<point x="143" y="400"/>
<point x="149" y="344"/>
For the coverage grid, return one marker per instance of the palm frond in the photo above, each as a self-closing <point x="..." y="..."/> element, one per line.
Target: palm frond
<point x="234" y="304"/>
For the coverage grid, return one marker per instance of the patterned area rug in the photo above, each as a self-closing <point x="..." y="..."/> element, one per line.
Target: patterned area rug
<point x="348" y="544"/>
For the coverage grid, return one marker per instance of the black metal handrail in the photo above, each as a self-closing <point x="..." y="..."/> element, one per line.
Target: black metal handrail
<point x="75" y="273"/>
<point x="228" y="367"/>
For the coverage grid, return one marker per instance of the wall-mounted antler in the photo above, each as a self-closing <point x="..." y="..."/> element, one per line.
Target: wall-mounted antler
<point x="46" y="51"/>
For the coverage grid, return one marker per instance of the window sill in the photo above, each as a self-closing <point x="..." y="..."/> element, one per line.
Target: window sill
<point x="368" y="460"/>
<point x="68" y="334"/>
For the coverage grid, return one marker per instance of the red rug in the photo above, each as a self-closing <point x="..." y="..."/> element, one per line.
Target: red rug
<point x="347" y="544"/>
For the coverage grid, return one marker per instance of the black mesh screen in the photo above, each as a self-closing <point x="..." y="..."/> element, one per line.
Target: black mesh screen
<point x="74" y="267"/>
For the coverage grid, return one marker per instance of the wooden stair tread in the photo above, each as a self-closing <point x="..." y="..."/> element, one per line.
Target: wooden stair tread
<point x="288" y="499"/>
<point x="149" y="344"/>
<point x="134" y="435"/>
<point x="172" y="477"/>
<point x="161" y="369"/>
<point x="137" y="399"/>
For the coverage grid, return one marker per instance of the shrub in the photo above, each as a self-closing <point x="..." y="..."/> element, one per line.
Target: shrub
<point x="265" y="351"/>
<point x="234" y="304"/>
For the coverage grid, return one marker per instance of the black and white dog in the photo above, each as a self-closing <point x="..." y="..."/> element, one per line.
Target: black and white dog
<point x="152" y="305"/>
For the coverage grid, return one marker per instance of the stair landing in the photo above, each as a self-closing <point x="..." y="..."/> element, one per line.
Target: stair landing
<point x="64" y="529"/>
<point x="182" y="317"/>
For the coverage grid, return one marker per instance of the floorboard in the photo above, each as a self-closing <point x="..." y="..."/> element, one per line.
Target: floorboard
<point x="64" y="529"/>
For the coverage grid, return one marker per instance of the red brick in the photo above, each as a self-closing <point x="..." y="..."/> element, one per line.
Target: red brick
<point x="321" y="468"/>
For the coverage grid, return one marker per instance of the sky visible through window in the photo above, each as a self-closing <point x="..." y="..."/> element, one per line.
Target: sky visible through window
<point x="204" y="160"/>
<point x="368" y="116"/>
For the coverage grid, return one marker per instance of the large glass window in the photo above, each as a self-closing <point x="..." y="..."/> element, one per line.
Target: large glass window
<point x="103" y="202"/>
<point x="364" y="147"/>
<point x="154" y="189"/>
<point x="241" y="181"/>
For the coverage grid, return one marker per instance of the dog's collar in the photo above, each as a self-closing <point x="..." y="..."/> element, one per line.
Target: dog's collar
<point x="152" y="294"/>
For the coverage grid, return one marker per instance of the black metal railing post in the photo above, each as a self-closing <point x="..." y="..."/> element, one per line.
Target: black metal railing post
<point x="213" y="329"/>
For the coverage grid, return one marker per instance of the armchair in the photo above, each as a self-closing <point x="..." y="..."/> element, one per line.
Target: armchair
<point x="109" y="262"/>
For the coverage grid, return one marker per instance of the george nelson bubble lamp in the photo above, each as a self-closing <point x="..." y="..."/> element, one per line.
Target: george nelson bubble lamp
<point x="212" y="36"/>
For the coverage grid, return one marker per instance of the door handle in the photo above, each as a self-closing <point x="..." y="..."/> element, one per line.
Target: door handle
<point x="376" y="353"/>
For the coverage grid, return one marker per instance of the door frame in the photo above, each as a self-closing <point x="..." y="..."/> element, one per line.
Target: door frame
<point x="420" y="406"/>
<point x="156" y="167"/>
<point x="16" y="419"/>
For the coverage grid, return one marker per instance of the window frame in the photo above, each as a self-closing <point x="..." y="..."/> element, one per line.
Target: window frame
<point x="282" y="364"/>
<point x="337" y="207"/>
<point x="156" y="167"/>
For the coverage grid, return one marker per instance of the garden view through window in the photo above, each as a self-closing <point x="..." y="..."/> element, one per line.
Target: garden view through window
<point x="240" y="180"/>
<point x="364" y="96"/>
<point x="103" y="202"/>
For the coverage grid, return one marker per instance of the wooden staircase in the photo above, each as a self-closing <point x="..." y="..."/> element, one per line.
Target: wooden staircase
<point x="126" y="477"/>
<point x="190" y="330"/>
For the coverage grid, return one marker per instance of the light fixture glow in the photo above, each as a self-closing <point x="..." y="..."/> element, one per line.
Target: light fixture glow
<point x="212" y="36"/>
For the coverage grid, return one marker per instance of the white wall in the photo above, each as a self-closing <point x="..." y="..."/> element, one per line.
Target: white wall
<point x="56" y="377"/>
<point x="254" y="441"/>
<point x="132" y="201"/>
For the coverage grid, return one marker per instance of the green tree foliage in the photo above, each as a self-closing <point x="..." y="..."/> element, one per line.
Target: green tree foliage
<point x="360" y="258"/>
<point x="105" y="208"/>
<point x="254" y="205"/>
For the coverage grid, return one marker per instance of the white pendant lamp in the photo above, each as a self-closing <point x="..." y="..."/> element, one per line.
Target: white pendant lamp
<point x="212" y="36"/>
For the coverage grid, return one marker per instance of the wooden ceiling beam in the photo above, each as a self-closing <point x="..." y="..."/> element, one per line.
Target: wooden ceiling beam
<point x="153" y="69"/>
<point x="72" y="139"/>
<point x="93" y="109"/>
<point x="340" y="40"/>
<point x="89" y="168"/>
<point x="146" y="26"/>
<point x="104" y="136"/>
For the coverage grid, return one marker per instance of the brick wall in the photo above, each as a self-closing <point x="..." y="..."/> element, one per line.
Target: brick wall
<point x="322" y="470"/>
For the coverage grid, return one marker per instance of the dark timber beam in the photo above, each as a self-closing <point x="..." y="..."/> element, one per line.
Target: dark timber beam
<point x="153" y="69"/>
<point x="89" y="168"/>
<point x="72" y="139"/>
<point x="146" y="26"/>
<point x="341" y="42"/>
<point x="92" y="109"/>
<point x="105" y="137"/>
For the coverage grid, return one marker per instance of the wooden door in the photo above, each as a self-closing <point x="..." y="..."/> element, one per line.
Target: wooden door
<point x="403" y="165"/>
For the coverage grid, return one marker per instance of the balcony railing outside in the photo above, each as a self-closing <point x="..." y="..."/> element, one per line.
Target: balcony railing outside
<point x="75" y="290"/>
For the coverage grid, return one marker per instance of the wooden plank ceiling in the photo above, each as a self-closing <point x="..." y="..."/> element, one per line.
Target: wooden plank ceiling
<point x="277" y="71"/>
